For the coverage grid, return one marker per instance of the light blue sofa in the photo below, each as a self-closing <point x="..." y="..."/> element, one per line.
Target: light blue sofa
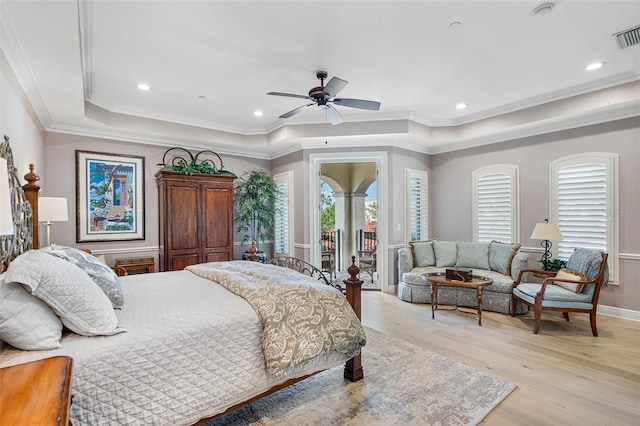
<point x="501" y="262"/>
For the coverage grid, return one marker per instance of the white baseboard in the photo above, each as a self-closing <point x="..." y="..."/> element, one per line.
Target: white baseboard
<point x="621" y="313"/>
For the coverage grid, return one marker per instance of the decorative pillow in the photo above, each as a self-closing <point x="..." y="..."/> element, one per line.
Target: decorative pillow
<point x="501" y="256"/>
<point x="472" y="255"/>
<point x="568" y="274"/>
<point x="25" y="321"/>
<point x="99" y="272"/>
<point x="445" y="252"/>
<point x="423" y="254"/>
<point x="66" y="289"/>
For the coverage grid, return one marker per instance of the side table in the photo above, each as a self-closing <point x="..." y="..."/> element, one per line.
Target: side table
<point x="37" y="392"/>
<point x="135" y="265"/>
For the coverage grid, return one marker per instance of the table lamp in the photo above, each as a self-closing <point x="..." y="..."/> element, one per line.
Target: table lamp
<point x="546" y="231"/>
<point x="52" y="209"/>
<point x="6" y="211"/>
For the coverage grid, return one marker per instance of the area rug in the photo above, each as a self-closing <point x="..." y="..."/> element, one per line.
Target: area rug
<point x="403" y="385"/>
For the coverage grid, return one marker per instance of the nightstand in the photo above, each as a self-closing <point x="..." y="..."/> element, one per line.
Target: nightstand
<point x="36" y="393"/>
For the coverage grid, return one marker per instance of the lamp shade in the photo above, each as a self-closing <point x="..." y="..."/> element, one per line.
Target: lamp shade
<point x="6" y="215"/>
<point x="52" y="209"/>
<point x="546" y="231"/>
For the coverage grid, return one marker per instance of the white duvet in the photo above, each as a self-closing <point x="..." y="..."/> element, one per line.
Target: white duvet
<point x="192" y="349"/>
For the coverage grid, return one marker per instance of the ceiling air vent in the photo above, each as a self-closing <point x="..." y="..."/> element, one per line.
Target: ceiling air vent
<point x="628" y="38"/>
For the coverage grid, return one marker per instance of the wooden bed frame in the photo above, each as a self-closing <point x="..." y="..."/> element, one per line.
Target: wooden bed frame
<point x="25" y="217"/>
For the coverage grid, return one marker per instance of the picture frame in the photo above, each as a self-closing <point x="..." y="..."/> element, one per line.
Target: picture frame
<point x="109" y="197"/>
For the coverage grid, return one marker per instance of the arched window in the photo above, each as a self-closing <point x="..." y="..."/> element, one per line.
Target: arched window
<point x="584" y="204"/>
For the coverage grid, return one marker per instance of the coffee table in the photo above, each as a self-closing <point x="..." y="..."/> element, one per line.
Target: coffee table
<point x="439" y="278"/>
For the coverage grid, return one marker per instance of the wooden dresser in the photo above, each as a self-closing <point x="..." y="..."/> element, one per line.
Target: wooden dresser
<point x="196" y="219"/>
<point x="36" y="393"/>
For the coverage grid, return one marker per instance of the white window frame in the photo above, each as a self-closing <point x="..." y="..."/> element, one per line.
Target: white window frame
<point x="512" y="173"/>
<point x="611" y="209"/>
<point x="284" y="179"/>
<point x="410" y="174"/>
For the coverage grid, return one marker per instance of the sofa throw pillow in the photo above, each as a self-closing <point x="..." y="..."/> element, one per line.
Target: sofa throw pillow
<point x="501" y="256"/>
<point x="423" y="254"/>
<point x="26" y="322"/>
<point x="99" y="272"/>
<point x="445" y="252"/>
<point x="67" y="290"/>
<point x="472" y="255"/>
<point x="568" y="274"/>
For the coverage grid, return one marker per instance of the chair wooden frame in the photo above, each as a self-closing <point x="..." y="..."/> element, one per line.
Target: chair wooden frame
<point x="550" y="278"/>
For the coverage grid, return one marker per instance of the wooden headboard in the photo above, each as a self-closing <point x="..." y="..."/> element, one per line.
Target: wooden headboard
<point x="24" y="210"/>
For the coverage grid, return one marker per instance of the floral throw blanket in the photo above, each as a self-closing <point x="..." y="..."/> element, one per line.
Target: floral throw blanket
<point x="301" y="317"/>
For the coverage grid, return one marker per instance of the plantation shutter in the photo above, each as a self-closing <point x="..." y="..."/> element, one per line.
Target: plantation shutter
<point x="582" y="207"/>
<point x="282" y="216"/>
<point x="417" y="208"/>
<point x="495" y="203"/>
<point x="493" y="208"/>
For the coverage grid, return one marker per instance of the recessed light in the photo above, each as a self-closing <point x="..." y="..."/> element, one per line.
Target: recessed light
<point x="594" y="66"/>
<point x="454" y="26"/>
<point x="461" y="106"/>
<point x="257" y="113"/>
<point x="143" y="86"/>
<point x="202" y="97"/>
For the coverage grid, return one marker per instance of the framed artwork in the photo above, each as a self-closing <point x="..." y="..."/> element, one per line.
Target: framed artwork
<point x="109" y="197"/>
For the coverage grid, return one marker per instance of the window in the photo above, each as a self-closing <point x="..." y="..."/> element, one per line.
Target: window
<point x="496" y="214"/>
<point x="584" y="202"/>
<point x="283" y="227"/>
<point x="417" y="223"/>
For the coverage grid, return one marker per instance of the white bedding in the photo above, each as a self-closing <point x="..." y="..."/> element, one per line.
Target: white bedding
<point x="173" y="366"/>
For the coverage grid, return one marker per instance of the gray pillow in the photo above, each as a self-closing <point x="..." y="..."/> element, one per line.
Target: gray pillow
<point x="501" y="256"/>
<point x="473" y="255"/>
<point x="423" y="254"/>
<point x="99" y="272"/>
<point x="67" y="290"/>
<point x="445" y="252"/>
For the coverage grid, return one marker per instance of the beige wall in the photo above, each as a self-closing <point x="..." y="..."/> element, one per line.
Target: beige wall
<point x="61" y="182"/>
<point x="450" y="201"/>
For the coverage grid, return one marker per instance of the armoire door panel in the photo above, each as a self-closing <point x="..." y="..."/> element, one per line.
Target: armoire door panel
<point x="183" y="218"/>
<point x="217" y="217"/>
<point x="179" y="262"/>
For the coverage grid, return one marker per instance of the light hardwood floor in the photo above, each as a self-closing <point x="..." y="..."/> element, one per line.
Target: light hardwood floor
<point x="565" y="376"/>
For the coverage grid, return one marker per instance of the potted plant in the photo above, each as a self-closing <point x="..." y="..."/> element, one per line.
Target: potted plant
<point x="255" y="195"/>
<point x="553" y="264"/>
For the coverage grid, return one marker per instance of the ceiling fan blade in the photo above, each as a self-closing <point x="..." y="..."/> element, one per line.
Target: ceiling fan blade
<point x="334" y="86"/>
<point x="358" y="103"/>
<point x="296" y="111"/>
<point x="289" y="95"/>
<point x="332" y="114"/>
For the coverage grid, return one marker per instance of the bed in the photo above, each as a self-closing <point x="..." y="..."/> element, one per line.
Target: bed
<point x="183" y="347"/>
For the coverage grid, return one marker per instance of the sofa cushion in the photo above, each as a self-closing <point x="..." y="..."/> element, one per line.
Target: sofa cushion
<point x="501" y="256"/>
<point x="445" y="252"/>
<point x="423" y="254"/>
<point x="568" y="274"/>
<point x="472" y="255"/>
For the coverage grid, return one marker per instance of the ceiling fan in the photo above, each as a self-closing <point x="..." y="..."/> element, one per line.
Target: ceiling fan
<point x="324" y="97"/>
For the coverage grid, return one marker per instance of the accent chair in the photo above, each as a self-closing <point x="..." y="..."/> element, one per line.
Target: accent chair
<point x="575" y="288"/>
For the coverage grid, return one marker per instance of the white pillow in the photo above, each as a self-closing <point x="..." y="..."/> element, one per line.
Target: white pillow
<point x="25" y="321"/>
<point x="73" y="296"/>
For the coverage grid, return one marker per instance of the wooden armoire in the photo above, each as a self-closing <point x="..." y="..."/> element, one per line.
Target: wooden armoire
<point x="195" y="218"/>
